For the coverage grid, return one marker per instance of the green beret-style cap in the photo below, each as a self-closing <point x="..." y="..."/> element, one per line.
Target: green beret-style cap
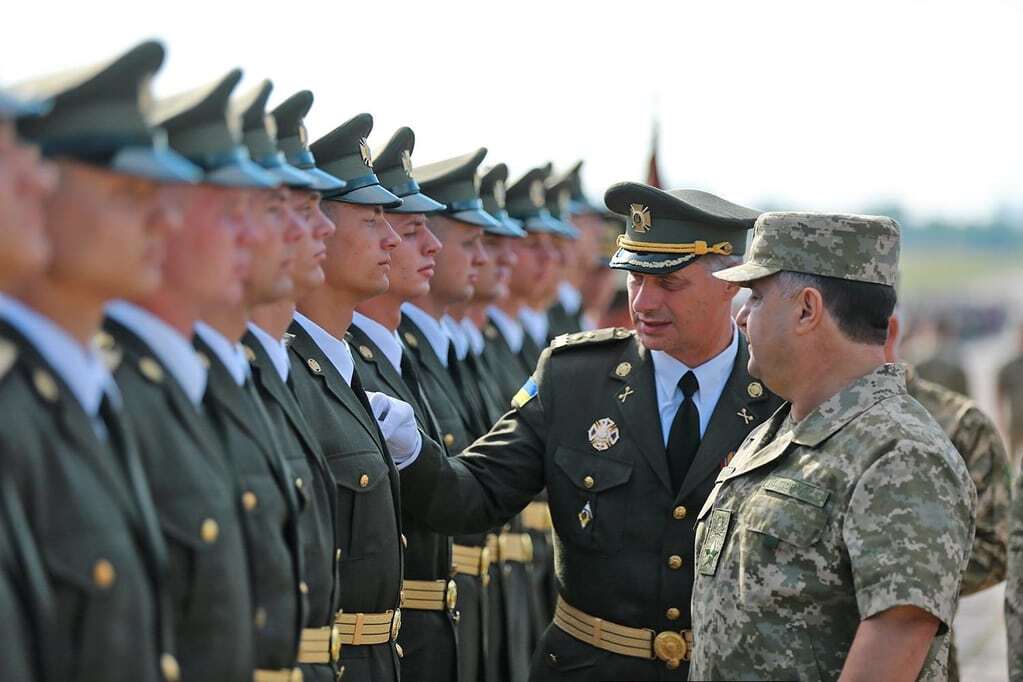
<point x="201" y="127"/>
<point x="666" y="231"/>
<point x="259" y="132"/>
<point x="293" y="140"/>
<point x="862" y="248"/>
<point x="492" y="192"/>
<point x="99" y="115"/>
<point x="455" y="183"/>
<point x="394" y="168"/>
<point x="344" y="153"/>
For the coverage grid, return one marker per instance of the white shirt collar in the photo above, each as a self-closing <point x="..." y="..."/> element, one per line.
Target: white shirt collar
<point x="174" y="351"/>
<point x="336" y="350"/>
<point x="431" y="329"/>
<point x="230" y="354"/>
<point x="570" y="297"/>
<point x="385" y="339"/>
<point x="476" y="341"/>
<point x="711" y="375"/>
<point x="536" y="324"/>
<point x="457" y="335"/>
<point x="510" y="328"/>
<point x="275" y="348"/>
<point x="81" y="368"/>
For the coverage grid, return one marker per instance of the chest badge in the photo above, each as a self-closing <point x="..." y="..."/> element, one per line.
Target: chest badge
<point x="747" y="418"/>
<point x="623" y="369"/>
<point x="603" y="434"/>
<point x="755" y="389"/>
<point x="585" y="516"/>
<point x="624" y="395"/>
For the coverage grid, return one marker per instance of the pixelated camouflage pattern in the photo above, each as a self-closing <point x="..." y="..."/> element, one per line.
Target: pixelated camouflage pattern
<point x="1010" y="391"/>
<point x="863" y="506"/>
<point x="1014" y="583"/>
<point x="856" y="247"/>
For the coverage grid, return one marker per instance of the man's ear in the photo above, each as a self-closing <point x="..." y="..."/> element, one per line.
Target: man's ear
<point x="810" y="310"/>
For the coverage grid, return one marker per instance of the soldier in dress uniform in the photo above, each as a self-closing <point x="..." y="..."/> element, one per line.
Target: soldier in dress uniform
<point x="271" y="311"/>
<point x="577" y="251"/>
<point x="71" y="452"/>
<point x="201" y="126"/>
<point x="427" y="636"/>
<point x="164" y="382"/>
<point x="834" y="543"/>
<point x="332" y="397"/>
<point x="26" y="599"/>
<point x="627" y="431"/>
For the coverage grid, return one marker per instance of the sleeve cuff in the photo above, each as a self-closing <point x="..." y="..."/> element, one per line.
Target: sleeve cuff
<point x="879" y="597"/>
<point x="409" y="460"/>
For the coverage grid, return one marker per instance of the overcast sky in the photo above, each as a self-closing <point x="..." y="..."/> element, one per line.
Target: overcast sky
<point x="803" y="104"/>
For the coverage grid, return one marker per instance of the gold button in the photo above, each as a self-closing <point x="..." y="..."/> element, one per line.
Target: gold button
<point x="299" y="483"/>
<point x="449" y="439"/>
<point x="303" y="587"/>
<point x="170" y="668"/>
<point x="679" y="512"/>
<point x="210" y="531"/>
<point x="151" y="370"/>
<point x="363" y="480"/>
<point x="249" y="500"/>
<point x="673" y="614"/>
<point x="674" y="562"/>
<point x="260" y="617"/>
<point x="337" y="555"/>
<point x="588" y="482"/>
<point x="103" y="574"/>
<point x="404" y="540"/>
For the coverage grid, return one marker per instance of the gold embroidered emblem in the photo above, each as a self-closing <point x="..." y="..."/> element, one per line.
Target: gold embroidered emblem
<point x="755" y="389"/>
<point x="365" y="352"/>
<point x="314" y="366"/>
<point x="303" y="134"/>
<point x="499" y="193"/>
<point x="640" y="216"/>
<point x="364" y="153"/>
<point x="603" y="434"/>
<point x="623" y="369"/>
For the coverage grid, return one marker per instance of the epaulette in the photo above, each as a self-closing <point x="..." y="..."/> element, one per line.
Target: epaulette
<point x="8" y="354"/>
<point x="589" y="338"/>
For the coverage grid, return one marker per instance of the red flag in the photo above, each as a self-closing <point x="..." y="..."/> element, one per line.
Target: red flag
<point x="653" y="175"/>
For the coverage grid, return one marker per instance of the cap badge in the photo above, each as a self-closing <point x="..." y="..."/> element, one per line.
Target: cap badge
<point x="640" y="218"/>
<point x="536" y="193"/>
<point x="406" y="162"/>
<point x="499" y="193"/>
<point x="603" y="434"/>
<point x="270" y="123"/>
<point x="623" y="369"/>
<point x="303" y="134"/>
<point x="755" y="389"/>
<point x="364" y="153"/>
<point x="564" y="197"/>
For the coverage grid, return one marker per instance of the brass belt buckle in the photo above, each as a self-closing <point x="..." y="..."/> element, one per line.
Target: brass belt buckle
<point x="335" y="643"/>
<point x="395" y="625"/>
<point x="451" y="596"/>
<point x="672" y="648"/>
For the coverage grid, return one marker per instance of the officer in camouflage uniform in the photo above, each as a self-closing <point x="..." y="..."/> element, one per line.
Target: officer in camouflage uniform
<point x="835" y="541"/>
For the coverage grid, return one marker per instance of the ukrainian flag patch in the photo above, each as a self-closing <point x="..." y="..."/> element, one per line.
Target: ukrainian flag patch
<point x="525" y="394"/>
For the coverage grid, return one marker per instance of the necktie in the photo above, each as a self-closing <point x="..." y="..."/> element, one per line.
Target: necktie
<point x="684" y="437"/>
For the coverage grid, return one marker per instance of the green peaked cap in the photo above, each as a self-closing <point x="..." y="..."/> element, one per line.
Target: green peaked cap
<point x="666" y="231"/>
<point x="493" y="189"/>
<point x="100" y="115"/>
<point x="259" y="132"/>
<point x="394" y="168"/>
<point x="455" y="183"/>
<point x="527" y="202"/>
<point x="293" y="140"/>
<point x="202" y="128"/>
<point x="344" y="153"/>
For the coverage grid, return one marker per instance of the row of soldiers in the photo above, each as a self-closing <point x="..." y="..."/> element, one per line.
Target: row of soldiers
<point x="255" y="400"/>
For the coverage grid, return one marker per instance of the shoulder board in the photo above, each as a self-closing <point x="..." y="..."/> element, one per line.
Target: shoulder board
<point x="8" y="354"/>
<point x="589" y="338"/>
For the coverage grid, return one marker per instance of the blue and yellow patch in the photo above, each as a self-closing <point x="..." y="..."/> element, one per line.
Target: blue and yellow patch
<point x="525" y="394"/>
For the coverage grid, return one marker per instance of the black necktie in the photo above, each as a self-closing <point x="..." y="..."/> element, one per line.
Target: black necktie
<point x="684" y="437"/>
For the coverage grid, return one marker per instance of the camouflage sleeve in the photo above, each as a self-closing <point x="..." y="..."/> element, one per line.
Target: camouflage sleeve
<point x="977" y="440"/>
<point x="1014" y="584"/>
<point x="908" y="529"/>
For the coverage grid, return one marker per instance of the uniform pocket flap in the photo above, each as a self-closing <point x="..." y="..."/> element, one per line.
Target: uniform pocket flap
<point x="78" y="561"/>
<point x="786" y="517"/>
<point x="801" y="490"/>
<point x="592" y="472"/>
<point x="192" y="522"/>
<point x="359" y="472"/>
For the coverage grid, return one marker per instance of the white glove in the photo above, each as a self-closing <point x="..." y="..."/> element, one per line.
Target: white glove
<point x="397" y="422"/>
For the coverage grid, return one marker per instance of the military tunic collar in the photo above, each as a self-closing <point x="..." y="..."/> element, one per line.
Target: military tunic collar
<point x="536" y="324"/>
<point x="712" y="376"/>
<point x="385" y="339"/>
<point x="510" y="328"/>
<point x="336" y="350"/>
<point x="82" y="369"/>
<point x="431" y="328"/>
<point x="457" y="336"/>
<point x="173" y="350"/>
<point x="230" y="354"/>
<point x="274" y="348"/>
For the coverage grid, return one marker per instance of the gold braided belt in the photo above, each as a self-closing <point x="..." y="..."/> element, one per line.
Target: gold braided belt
<point x="429" y="595"/>
<point x="697" y="248"/>
<point x="284" y="675"/>
<point x="320" y="645"/>
<point x="359" y="629"/>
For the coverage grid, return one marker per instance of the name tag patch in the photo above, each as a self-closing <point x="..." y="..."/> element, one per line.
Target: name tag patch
<point x="714" y="541"/>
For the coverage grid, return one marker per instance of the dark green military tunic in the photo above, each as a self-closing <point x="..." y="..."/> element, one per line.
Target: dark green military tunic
<point x="196" y="501"/>
<point x="269" y="510"/>
<point x="615" y="561"/>
<point x="314" y="488"/>
<point x="427" y="637"/>
<point x="368" y="521"/>
<point x="459" y="427"/>
<point x="560" y="321"/>
<point x="88" y="506"/>
<point x="506" y="366"/>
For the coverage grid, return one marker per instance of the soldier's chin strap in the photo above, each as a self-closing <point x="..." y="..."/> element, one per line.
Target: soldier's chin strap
<point x="697" y="248"/>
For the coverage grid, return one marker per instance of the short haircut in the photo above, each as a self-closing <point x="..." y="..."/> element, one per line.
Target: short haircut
<point x="861" y="309"/>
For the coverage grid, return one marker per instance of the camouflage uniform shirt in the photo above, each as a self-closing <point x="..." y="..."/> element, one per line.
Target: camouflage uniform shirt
<point x="863" y="506"/>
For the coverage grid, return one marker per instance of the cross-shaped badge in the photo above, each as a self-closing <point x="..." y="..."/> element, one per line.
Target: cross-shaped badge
<point x="746" y="416"/>
<point x="624" y="395"/>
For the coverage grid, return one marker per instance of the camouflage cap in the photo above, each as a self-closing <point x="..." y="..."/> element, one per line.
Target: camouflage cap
<point x="861" y="248"/>
<point x="293" y="140"/>
<point x="394" y="168"/>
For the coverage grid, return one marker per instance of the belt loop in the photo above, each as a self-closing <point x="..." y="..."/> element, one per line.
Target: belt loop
<point x="360" y="618"/>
